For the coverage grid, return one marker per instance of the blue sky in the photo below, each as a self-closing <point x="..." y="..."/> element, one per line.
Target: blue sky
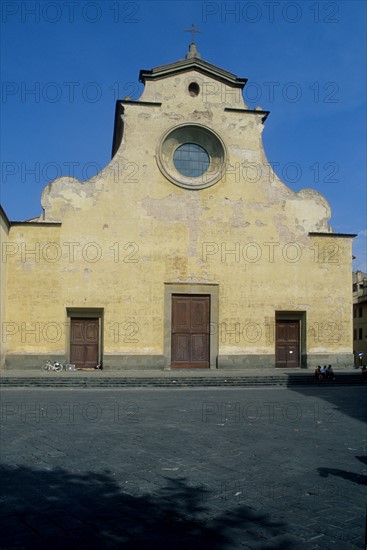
<point x="65" y="63"/>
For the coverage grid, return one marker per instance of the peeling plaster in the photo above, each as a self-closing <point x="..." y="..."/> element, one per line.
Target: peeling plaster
<point x="185" y="209"/>
<point x="198" y="115"/>
<point x="67" y="193"/>
<point x="173" y="116"/>
<point x="283" y="231"/>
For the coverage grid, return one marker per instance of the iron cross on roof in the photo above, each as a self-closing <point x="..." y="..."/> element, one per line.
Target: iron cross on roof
<point x="193" y="30"/>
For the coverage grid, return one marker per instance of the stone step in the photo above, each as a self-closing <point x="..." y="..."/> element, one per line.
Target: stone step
<point x="54" y="381"/>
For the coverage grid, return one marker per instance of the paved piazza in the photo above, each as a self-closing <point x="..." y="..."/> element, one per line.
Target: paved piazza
<point x="264" y="468"/>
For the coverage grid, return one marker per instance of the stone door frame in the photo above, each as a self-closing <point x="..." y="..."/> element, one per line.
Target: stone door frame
<point x="201" y="289"/>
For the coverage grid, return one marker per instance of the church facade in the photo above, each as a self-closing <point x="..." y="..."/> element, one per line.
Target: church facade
<point x="186" y="251"/>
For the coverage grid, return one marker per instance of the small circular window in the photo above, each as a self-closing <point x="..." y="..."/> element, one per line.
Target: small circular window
<point x="194" y="89"/>
<point x="191" y="160"/>
<point x="191" y="156"/>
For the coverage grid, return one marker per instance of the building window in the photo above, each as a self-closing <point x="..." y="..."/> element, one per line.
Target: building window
<point x="360" y="334"/>
<point x="191" y="156"/>
<point x="191" y="160"/>
<point x="194" y="89"/>
<point x="354" y="334"/>
<point x="354" y="312"/>
<point x="360" y="312"/>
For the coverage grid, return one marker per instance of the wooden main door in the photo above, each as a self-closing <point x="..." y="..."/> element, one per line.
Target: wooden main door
<point x="84" y="340"/>
<point x="287" y="344"/>
<point x="190" y="331"/>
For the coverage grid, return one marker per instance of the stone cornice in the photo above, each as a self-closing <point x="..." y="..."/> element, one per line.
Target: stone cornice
<point x="141" y="103"/>
<point x="184" y="65"/>
<point x="340" y="235"/>
<point x="25" y="224"/>
<point x="264" y="114"/>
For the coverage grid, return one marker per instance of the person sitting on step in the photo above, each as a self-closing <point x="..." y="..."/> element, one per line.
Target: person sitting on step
<point x="324" y="371"/>
<point x="318" y="374"/>
<point x="330" y="373"/>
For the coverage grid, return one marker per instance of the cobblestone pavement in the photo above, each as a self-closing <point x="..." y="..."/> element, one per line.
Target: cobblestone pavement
<point x="264" y="468"/>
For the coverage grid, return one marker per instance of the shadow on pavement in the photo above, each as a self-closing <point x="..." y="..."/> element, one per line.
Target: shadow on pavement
<point x="350" y="476"/>
<point x="339" y="397"/>
<point x="362" y="459"/>
<point x="59" y="509"/>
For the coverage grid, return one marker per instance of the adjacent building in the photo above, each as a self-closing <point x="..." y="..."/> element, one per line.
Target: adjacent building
<point x="186" y="251"/>
<point x="360" y="318"/>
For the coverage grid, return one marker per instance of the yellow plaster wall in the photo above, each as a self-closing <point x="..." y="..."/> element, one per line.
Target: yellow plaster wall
<point x="34" y="312"/>
<point x="129" y="230"/>
<point x="4" y="232"/>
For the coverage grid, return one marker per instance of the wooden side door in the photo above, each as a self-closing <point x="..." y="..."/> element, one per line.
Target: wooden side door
<point x="287" y="344"/>
<point x="84" y="340"/>
<point x="190" y="331"/>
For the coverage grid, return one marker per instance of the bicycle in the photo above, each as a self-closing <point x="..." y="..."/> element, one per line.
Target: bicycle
<point x="56" y="366"/>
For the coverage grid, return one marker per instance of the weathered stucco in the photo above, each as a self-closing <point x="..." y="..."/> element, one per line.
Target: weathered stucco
<point x="128" y="231"/>
<point x="4" y="232"/>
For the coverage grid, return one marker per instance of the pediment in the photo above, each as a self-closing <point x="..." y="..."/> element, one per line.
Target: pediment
<point x="197" y="64"/>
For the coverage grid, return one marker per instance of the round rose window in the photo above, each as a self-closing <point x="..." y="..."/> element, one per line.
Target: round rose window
<point x="191" y="160"/>
<point x="191" y="156"/>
